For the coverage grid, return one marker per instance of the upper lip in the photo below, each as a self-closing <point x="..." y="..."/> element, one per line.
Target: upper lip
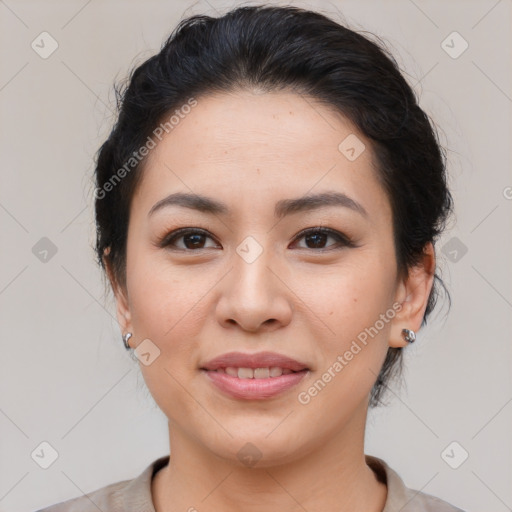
<point x="256" y="360"/>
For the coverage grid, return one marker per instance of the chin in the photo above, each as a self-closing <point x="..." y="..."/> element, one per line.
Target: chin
<point x="254" y="447"/>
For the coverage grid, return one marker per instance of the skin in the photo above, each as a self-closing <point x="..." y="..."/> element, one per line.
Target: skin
<point x="250" y="150"/>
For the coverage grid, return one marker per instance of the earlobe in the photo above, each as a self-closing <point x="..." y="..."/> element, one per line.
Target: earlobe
<point x="123" y="310"/>
<point x="412" y="294"/>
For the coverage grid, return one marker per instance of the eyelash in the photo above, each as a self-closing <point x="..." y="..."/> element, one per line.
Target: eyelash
<point x="168" y="239"/>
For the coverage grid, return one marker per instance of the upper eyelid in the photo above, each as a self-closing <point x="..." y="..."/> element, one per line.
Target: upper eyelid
<point x="176" y="234"/>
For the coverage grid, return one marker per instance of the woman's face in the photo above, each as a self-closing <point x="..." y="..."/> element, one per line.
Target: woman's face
<point x="244" y="279"/>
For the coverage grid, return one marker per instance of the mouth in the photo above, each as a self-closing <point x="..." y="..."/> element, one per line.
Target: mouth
<point x="254" y="376"/>
<point x="249" y="366"/>
<point x="253" y="388"/>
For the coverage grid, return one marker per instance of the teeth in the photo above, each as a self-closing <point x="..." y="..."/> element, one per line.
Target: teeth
<point x="256" y="373"/>
<point x="261" y="373"/>
<point x="245" y="373"/>
<point x="275" y="371"/>
<point x="232" y="371"/>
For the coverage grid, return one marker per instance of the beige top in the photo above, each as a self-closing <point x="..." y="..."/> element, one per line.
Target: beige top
<point x="135" y="495"/>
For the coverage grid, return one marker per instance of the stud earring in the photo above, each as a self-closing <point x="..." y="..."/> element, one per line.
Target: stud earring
<point x="408" y="335"/>
<point x="126" y="337"/>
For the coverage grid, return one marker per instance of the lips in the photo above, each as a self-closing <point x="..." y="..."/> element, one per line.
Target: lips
<point x="254" y="376"/>
<point x="257" y="360"/>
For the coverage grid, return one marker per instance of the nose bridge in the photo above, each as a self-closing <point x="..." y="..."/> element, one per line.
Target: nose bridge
<point x="254" y="295"/>
<point x="252" y="267"/>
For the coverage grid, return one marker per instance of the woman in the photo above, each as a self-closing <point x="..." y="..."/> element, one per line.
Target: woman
<point x="267" y="206"/>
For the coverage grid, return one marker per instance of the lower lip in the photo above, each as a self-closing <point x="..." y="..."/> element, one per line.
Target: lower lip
<point x="255" y="389"/>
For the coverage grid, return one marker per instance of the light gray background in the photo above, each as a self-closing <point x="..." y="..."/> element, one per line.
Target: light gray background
<point x="65" y="377"/>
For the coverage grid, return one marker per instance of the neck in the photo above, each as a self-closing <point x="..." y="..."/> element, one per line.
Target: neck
<point x="332" y="476"/>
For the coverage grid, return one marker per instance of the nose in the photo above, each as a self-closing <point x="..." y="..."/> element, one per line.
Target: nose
<point x="254" y="296"/>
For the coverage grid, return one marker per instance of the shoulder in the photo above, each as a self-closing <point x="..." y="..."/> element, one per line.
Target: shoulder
<point x="402" y="498"/>
<point x="422" y="502"/>
<point x="107" y="499"/>
<point x="125" y="496"/>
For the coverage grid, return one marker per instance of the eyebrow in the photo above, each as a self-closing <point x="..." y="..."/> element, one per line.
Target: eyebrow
<point x="283" y="207"/>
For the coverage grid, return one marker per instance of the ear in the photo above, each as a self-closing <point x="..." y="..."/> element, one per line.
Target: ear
<point x="412" y="294"/>
<point x="121" y="296"/>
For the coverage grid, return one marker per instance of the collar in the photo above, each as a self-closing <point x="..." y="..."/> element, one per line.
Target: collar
<point x="136" y="495"/>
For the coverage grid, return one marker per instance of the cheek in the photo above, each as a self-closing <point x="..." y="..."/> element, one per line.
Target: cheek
<point x="355" y="304"/>
<point x="356" y="312"/>
<point x="164" y="297"/>
<point x="349" y="297"/>
<point x="166" y="308"/>
<point x="165" y="305"/>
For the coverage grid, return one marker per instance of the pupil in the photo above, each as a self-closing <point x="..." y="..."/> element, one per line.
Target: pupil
<point x="316" y="237"/>
<point x="196" y="240"/>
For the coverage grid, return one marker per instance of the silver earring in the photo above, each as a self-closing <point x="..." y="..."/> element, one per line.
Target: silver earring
<point x="408" y="335"/>
<point x="126" y="337"/>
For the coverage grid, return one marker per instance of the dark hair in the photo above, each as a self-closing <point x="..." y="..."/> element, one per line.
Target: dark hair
<point x="283" y="48"/>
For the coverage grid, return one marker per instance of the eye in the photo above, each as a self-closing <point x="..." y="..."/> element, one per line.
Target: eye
<point x="318" y="236"/>
<point x="192" y="239"/>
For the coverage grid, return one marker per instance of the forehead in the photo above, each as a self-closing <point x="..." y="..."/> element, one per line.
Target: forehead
<point x="252" y="146"/>
<point x="280" y="125"/>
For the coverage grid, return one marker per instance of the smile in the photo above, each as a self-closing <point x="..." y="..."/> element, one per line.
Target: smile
<point x="254" y="384"/>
